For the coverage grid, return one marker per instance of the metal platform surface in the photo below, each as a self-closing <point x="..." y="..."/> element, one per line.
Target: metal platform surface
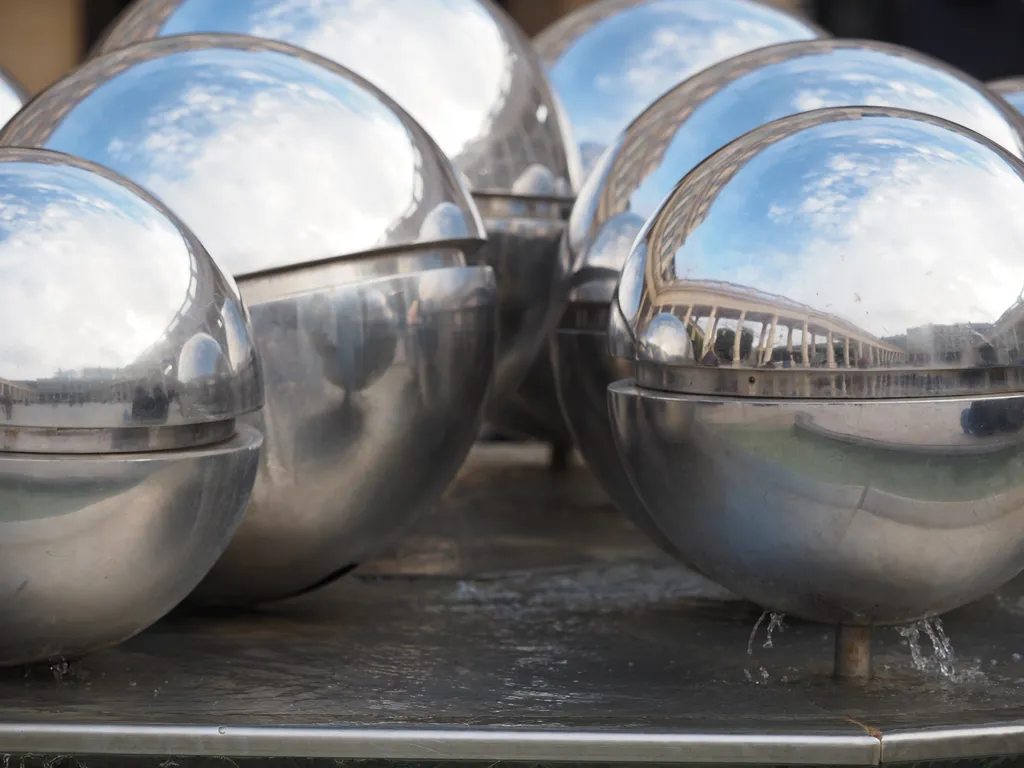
<point x="525" y="620"/>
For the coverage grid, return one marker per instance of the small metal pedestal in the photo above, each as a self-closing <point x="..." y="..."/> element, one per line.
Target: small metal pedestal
<point x="527" y="621"/>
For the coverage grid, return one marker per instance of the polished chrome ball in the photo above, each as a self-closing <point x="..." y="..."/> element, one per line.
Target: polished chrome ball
<point x="348" y="231"/>
<point x="827" y="409"/>
<point x="672" y="136"/>
<point x="608" y="60"/>
<point x="1011" y="89"/>
<point x="467" y="74"/>
<point x="116" y="498"/>
<point x="12" y="96"/>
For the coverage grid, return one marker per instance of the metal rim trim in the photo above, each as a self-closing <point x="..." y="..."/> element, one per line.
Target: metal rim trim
<point x="800" y="383"/>
<point x="47" y="440"/>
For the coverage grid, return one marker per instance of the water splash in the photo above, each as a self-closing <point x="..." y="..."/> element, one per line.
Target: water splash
<point x="753" y="634"/>
<point x="942" y="648"/>
<point x="761" y="679"/>
<point x="912" y="634"/>
<point x="942" y="659"/>
<point x="775" y="624"/>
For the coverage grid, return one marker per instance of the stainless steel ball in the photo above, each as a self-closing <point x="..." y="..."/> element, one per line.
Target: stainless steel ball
<point x="825" y="319"/>
<point x="672" y="136"/>
<point x="348" y="231"/>
<point x="12" y="96"/>
<point x="466" y="73"/>
<point x="115" y="498"/>
<point x="609" y="59"/>
<point x="1011" y="89"/>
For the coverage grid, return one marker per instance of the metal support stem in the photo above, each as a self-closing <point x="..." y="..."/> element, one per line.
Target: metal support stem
<point x="853" y="652"/>
<point x="559" y="456"/>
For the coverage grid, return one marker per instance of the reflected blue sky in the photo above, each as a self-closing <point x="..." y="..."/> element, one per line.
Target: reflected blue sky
<point x="887" y="222"/>
<point x="93" y="274"/>
<point x="201" y="359"/>
<point x="609" y="74"/>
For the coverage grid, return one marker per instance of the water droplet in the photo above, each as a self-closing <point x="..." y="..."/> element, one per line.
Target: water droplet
<point x="1015" y="657"/>
<point x="774" y="624"/>
<point x="222" y="729"/>
<point x="753" y="634"/>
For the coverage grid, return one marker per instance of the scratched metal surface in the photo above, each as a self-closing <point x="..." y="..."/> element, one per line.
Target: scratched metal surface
<point x="526" y="601"/>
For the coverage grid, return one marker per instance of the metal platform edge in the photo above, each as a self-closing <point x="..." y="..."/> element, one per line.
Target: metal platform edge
<point x="906" y="745"/>
<point x="903" y="745"/>
<point x="442" y="744"/>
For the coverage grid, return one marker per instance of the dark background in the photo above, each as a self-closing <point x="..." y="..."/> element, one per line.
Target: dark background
<point x="982" y="37"/>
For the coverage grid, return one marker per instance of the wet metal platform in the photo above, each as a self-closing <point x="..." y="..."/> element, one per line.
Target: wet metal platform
<point x="525" y="621"/>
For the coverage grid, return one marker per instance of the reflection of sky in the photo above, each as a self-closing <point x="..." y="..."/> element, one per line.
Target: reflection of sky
<point x="201" y="358"/>
<point x="271" y="160"/>
<point x="235" y="333"/>
<point x="842" y="77"/>
<point x="624" y="62"/>
<point x="92" y="274"/>
<point x="1016" y="98"/>
<point x="445" y="61"/>
<point x="885" y="222"/>
<point x="10" y="101"/>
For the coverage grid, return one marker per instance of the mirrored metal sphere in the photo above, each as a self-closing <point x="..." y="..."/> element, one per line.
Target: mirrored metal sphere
<point x="110" y="306"/>
<point x="475" y="84"/>
<point x="119" y="338"/>
<point x="348" y="230"/>
<point x="1012" y="90"/>
<point x="12" y="96"/>
<point x="692" y="121"/>
<point x="825" y="319"/>
<point x="609" y="59"/>
<point x="375" y="392"/>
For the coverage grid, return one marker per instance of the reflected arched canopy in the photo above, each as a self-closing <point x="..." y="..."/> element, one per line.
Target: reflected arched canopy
<point x="609" y="59"/>
<point x="847" y="240"/>
<point x="706" y="112"/>
<point x="102" y="291"/>
<point x="462" y="68"/>
<point x="272" y="156"/>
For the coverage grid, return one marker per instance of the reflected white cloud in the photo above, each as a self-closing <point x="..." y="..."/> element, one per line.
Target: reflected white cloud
<point x="10" y="101"/>
<point x="405" y="48"/>
<point x="92" y="274"/>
